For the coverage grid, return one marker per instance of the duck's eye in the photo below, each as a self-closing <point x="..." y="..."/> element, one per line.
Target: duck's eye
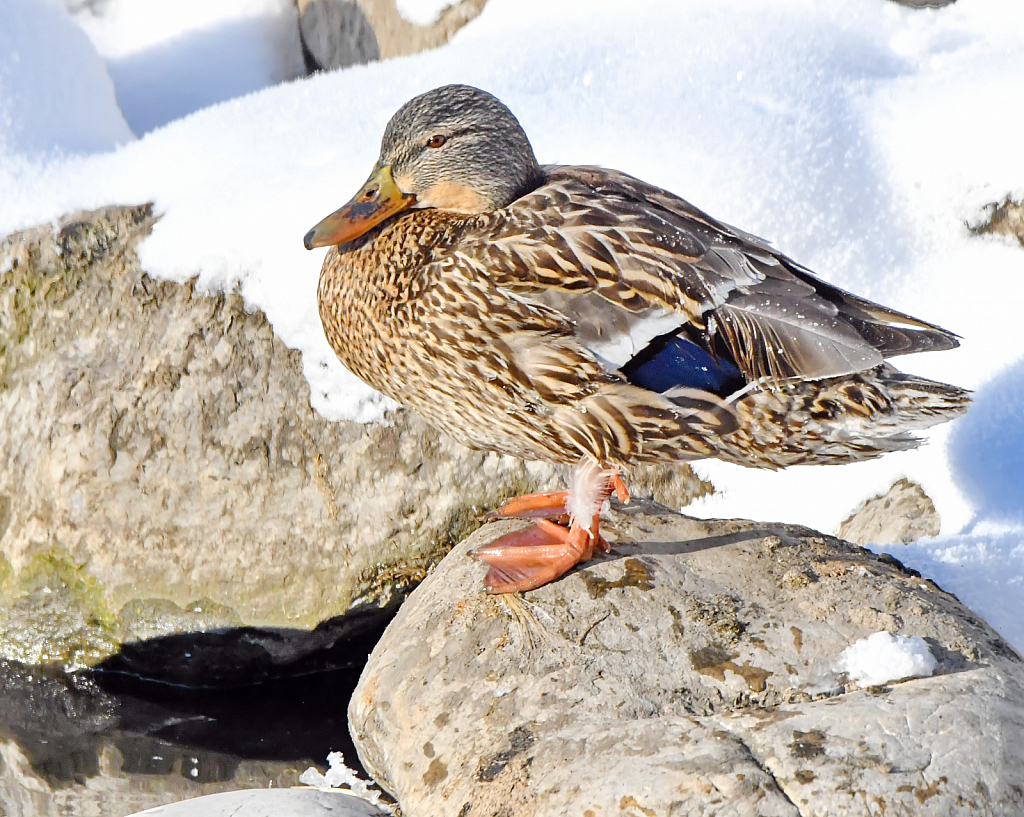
<point x="436" y="140"/>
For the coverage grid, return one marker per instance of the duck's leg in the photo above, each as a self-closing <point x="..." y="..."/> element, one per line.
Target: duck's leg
<point x="541" y="553"/>
<point x="547" y="505"/>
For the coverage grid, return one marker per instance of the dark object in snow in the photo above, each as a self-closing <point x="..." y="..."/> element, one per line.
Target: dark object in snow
<point x="1006" y="218"/>
<point x="515" y="305"/>
<point x="335" y="34"/>
<point x="925" y="4"/>
<point x="340" y="33"/>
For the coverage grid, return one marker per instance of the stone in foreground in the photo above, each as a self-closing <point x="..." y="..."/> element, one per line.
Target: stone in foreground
<point x="268" y="803"/>
<point x="691" y="672"/>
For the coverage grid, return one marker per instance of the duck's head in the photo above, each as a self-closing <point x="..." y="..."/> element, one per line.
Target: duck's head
<point x="454" y="148"/>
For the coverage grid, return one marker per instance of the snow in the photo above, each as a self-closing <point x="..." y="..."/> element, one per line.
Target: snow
<point x="170" y="59"/>
<point x="56" y="98"/>
<point x="860" y="136"/>
<point x="422" y="12"/>
<point x="338" y="774"/>
<point x="883" y="657"/>
<point x="984" y="568"/>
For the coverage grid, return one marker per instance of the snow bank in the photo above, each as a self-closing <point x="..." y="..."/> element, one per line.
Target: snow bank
<point x="55" y="94"/>
<point x="984" y="568"/>
<point x="883" y="657"/>
<point x="170" y="59"/>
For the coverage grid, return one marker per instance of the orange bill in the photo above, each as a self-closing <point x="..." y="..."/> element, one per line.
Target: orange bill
<point x="377" y="200"/>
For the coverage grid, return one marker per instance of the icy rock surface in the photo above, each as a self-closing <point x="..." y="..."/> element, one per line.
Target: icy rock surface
<point x="692" y="671"/>
<point x="162" y="472"/>
<point x="268" y="803"/>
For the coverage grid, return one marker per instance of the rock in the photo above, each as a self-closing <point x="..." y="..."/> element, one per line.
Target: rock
<point x="925" y="4"/>
<point x="1006" y="218"/>
<point x="268" y="803"/>
<point x="339" y="33"/>
<point x="161" y="469"/>
<point x="162" y="472"/>
<point x="903" y="514"/>
<point x="692" y="671"/>
<point x="335" y="34"/>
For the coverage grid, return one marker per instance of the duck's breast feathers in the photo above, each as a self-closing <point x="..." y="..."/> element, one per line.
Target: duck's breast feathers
<point x="633" y="266"/>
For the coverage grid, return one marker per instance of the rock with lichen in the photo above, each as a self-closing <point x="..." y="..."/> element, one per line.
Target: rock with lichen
<point x="162" y="471"/>
<point x="1005" y="218"/>
<point x="695" y="670"/>
<point x="901" y="515"/>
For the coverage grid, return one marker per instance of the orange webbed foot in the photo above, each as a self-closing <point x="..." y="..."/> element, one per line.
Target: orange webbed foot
<point x="529" y="558"/>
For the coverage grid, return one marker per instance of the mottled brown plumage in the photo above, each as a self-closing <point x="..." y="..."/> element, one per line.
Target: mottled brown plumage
<point x="536" y="323"/>
<point x="492" y="369"/>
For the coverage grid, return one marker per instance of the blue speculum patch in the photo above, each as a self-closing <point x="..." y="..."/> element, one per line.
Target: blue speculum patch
<point x="676" y="361"/>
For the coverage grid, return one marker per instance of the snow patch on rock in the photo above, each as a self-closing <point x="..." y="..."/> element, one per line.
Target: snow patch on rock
<point x="884" y="657"/>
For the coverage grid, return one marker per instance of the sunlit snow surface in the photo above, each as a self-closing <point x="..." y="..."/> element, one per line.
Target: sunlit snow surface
<point x="884" y="657"/>
<point x="861" y="137"/>
<point x="55" y="93"/>
<point x="169" y="59"/>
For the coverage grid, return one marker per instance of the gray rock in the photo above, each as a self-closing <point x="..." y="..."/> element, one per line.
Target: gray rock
<point x="268" y="803"/>
<point x="162" y="472"/>
<point x="903" y="514"/>
<point x="339" y="33"/>
<point x="1005" y="218"/>
<point x="335" y="34"/>
<point x="691" y="672"/>
<point x="925" y="4"/>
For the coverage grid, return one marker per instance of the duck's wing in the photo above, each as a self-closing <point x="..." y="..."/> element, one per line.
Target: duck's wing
<point x="631" y="265"/>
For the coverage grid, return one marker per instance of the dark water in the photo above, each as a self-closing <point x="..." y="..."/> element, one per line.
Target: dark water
<point x="197" y="708"/>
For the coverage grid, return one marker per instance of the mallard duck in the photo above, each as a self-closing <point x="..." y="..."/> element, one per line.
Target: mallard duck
<point x="582" y="316"/>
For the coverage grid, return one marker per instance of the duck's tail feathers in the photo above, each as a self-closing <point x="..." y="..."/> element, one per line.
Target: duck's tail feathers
<point x="837" y="420"/>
